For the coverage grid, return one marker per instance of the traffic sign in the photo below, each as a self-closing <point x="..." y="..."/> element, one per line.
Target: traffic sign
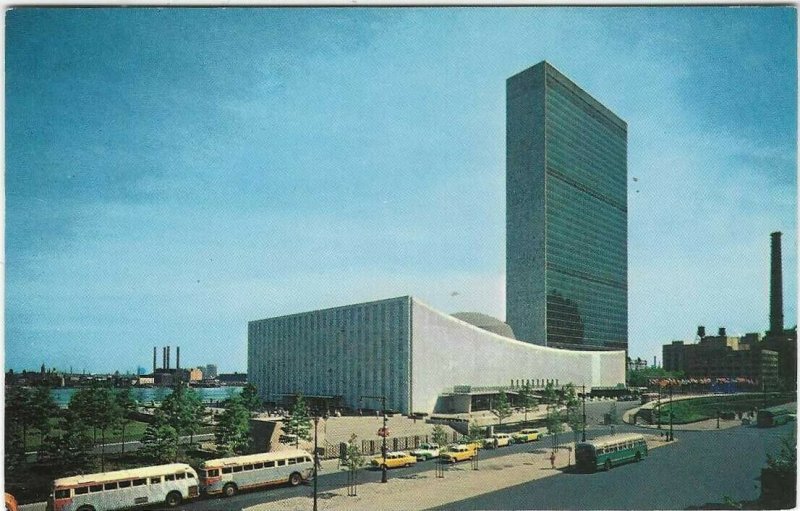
<point x="384" y="432"/>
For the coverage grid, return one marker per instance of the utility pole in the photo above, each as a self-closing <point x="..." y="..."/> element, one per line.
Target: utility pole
<point x="316" y="458"/>
<point x="658" y="407"/>
<point x="384" y="475"/>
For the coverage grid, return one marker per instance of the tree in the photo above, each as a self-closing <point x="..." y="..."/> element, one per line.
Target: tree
<point x="642" y="377"/>
<point x="439" y="436"/>
<point x="126" y="405"/>
<point x="475" y="433"/>
<point x="71" y="451"/>
<point x="553" y="419"/>
<point x="574" y="416"/>
<point x="527" y="400"/>
<point x="43" y="408"/>
<point x="250" y="398"/>
<point x="18" y="412"/>
<point x="299" y="422"/>
<point x="352" y="461"/>
<point x="183" y="410"/>
<point x="501" y="408"/>
<point x="232" y="431"/>
<point x="160" y="440"/>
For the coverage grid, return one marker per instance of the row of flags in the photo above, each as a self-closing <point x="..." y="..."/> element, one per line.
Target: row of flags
<point x="665" y="382"/>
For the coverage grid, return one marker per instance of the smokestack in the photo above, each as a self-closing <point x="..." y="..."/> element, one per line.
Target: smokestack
<point x="154" y="360"/>
<point x="168" y="357"/>
<point x="701" y="331"/>
<point x="722" y="332"/>
<point x="776" y="286"/>
<point x="177" y="357"/>
<point x="163" y="357"/>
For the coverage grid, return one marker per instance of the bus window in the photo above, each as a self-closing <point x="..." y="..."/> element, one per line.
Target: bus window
<point x="189" y="475"/>
<point x="247" y="467"/>
<point x="83" y="490"/>
<point x="237" y="469"/>
<point x="169" y="477"/>
<point x="95" y="488"/>
<point x="180" y="476"/>
<point x="155" y="480"/>
<point x="139" y="482"/>
<point x="269" y="464"/>
<point x="258" y="466"/>
<point x="227" y="470"/>
<point x="292" y="461"/>
<point x="213" y="473"/>
<point x="124" y="484"/>
<point x="62" y="494"/>
<point x="280" y="463"/>
<point x="110" y="486"/>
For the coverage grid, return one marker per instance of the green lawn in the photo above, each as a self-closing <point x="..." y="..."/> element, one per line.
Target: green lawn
<point x="133" y="431"/>
<point x="693" y="410"/>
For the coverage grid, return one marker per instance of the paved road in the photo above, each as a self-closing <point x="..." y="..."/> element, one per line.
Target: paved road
<point x="700" y="467"/>
<point x="331" y="481"/>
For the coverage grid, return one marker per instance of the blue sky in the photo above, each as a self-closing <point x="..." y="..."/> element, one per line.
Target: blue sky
<point x="174" y="173"/>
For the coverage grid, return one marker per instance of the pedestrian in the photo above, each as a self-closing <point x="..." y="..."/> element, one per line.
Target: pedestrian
<point x="553" y="459"/>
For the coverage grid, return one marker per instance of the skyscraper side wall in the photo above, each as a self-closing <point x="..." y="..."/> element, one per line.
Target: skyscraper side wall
<point x="525" y="205"/>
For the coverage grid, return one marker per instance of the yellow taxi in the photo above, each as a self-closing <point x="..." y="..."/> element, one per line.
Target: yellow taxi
<point x="526" y="435"/>
<point x="394" y="460"/>
<point x="11" y="503"/>
<point x="460" y="452"/>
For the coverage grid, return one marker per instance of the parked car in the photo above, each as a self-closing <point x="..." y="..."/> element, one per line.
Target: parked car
<point x="525" y="435"/>
<point x="426" y="451"/>
<point x="460" y="452"/>
<point x="497" y="440"/>
<point x="394" y="460"/>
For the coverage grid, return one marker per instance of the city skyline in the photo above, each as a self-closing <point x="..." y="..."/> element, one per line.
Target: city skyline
<point x="171" y="174"/>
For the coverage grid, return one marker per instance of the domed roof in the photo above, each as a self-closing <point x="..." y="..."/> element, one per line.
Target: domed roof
<point x="486" y="322"/>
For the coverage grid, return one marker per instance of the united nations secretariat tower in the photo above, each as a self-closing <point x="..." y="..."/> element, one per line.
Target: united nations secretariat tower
<point x="567" y="214"/>
<point x="566" y="284"/>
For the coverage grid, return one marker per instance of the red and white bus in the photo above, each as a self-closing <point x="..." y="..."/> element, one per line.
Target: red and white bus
<point x="229" y="475"/>
<point x="124" y="489"/>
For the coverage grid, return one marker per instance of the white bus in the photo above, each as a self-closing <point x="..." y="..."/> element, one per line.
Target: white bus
<point x="229" y="475"/>
<point x="124" y="489"/>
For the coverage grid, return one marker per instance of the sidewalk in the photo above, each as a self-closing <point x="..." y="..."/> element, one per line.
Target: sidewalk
<point x="424" y="490"/>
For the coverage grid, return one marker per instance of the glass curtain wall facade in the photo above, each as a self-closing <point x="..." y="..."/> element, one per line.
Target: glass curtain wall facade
<point x="567" y="264"/>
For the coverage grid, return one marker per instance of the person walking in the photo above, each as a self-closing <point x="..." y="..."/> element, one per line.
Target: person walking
<point x="553" y="459"/>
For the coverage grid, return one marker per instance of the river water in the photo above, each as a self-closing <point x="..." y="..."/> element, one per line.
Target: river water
<point x="157" y="394"/>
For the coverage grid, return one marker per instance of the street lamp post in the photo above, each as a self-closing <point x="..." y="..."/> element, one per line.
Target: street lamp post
<point x="583" y="435"/>
<point x="658" y="406"/>
<point x="316" y="458"/>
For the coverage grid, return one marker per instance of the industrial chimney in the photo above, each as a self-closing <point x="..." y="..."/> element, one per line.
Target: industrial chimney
<point x="177" y="357"/>
<point x="168" y="357"/>
<point x="163" y="357"/>
<point x="776" y="286"/>
<point x="155" y="362"/>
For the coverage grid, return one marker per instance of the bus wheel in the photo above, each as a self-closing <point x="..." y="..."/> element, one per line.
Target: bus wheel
<point x="295" y="479"/>
<point x="229" y="490"/>
<point x="607" y="466"/>
<point x="173" y="499"/>
<point x="638" y="456"/>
